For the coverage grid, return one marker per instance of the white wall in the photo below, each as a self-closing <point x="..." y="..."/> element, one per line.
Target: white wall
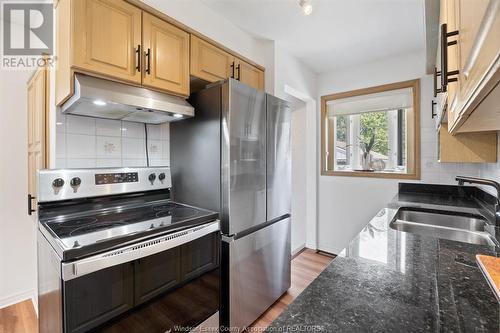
<point x="17" y="229"/>
<point x="346" y="204"/>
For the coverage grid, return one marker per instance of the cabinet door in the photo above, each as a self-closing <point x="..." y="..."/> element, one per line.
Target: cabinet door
<point x="166" y="49"/>
<point x="156" y="274"/>
<point x="107" y="34"/>
<point x="249" y="75"/>
<point x="209" y="62"/>
<point x="479" y="42"/>
<point x="200" y="256"/>
<point x="95" y="298"/>
<point x="37" y="122"/>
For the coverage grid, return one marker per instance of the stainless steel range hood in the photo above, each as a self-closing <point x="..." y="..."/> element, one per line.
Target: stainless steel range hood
<point x="102" y="98"/>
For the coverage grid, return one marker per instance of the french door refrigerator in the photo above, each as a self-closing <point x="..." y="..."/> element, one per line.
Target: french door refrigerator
<point x="234" y="157"/>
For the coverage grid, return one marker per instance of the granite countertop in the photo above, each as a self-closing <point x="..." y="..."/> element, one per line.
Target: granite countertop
<point x="392" y="281"/>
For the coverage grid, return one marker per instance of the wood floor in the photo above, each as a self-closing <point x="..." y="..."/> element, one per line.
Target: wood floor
<point x="21" y="317"/>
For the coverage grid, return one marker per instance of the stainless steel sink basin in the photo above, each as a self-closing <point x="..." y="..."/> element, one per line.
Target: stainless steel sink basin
<point x="465" y="228"/>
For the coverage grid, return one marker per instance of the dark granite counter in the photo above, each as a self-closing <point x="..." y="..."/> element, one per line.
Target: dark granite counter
<point x="392" y="281"/>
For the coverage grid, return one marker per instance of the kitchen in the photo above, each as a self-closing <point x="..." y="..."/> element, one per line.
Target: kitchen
<point x="438" y="127"/>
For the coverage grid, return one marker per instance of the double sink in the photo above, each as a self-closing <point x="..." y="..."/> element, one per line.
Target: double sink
<point x="462" y="227"/>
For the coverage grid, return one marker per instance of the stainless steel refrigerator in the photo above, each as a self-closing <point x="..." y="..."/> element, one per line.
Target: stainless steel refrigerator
<point x="234" y="157"/>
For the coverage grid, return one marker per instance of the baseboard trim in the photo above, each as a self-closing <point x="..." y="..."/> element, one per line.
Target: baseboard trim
<point x="328" y="254"/>
<point x="19" y="297"/>
<point x="329" y="249"/>
<point x="299" y="250"/>
<point x="34" y="300"/>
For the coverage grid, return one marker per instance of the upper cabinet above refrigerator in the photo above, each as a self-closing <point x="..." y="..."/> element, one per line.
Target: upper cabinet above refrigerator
<point x="211" y="63"/>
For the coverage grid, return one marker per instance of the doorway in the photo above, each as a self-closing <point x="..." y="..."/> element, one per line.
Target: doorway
<point x="299" y="174"/>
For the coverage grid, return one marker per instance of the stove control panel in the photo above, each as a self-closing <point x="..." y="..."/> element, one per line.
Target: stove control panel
<point x="116" y="178"/>
<point x="65" y="184"/>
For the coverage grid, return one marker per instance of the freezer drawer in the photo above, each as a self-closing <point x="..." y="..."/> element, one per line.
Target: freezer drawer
<point x="258" y="273"/>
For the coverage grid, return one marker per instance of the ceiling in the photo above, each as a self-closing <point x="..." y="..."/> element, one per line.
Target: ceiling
<point x="338" y="34"/>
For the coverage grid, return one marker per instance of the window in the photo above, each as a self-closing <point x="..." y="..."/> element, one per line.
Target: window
<point x="372" y="132"/>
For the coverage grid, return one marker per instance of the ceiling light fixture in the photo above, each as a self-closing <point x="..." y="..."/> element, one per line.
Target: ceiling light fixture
<point x="306" y="6"/>
<point x="177" y="115"/>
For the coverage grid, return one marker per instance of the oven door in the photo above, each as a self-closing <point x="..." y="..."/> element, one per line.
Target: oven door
<point x="175" y="288"/>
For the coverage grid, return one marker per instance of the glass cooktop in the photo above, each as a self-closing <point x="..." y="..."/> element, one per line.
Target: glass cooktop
<point x="77" y="231"/>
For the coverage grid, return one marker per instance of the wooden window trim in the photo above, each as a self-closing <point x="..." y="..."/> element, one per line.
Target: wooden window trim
<point x="414" y="161"/>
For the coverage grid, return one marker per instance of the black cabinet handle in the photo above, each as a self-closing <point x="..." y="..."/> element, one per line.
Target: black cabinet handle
<point x="444" y="57"/>
<point x="239" y="74"/>
<point x="138" y="52"/>
<point x="30" y="204"/>
<point x="436" y="74"/>
<point x="148" y="64"/>
<point x="432" y="109"/>
<point x="232" y="70"/>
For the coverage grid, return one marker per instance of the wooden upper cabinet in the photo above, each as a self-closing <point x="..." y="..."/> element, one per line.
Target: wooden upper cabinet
<point x="166" y="61"/>
<point x="37" y="128"/>
<point x="249" y="74"/>
<point x="467" y="147"/>
<point x="121" y="41"/>
<point x="209" y="62"/>
<point x="477" y="58"/>
<point x="107" y="34"/>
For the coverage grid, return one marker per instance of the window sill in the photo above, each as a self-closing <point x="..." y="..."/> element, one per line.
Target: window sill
<point x="375" y="174"/>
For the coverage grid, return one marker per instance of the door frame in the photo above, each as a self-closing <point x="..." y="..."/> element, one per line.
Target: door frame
<point x="311" y="166"/>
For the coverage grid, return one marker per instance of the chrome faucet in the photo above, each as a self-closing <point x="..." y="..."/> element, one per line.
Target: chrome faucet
<point x="473" y="180"/>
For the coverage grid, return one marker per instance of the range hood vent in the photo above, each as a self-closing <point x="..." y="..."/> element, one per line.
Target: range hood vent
<point x="102" y="98"/>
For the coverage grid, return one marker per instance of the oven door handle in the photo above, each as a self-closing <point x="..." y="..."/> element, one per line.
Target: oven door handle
<point x="75" y="269"/>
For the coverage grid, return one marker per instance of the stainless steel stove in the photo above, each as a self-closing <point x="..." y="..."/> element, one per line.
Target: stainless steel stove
<point x="119" y="228"/>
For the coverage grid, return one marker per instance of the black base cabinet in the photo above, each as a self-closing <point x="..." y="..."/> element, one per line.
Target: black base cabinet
<point x="149" y="293"/>
<point x="95" y="298"/>
<point x="156" y="274"/>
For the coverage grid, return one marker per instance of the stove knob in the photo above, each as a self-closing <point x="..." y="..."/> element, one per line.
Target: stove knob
<point x="75" y="182"/>
<point x="161" y="176"/>
<point x="58" y="183"/>
<point x="152" y="177"/>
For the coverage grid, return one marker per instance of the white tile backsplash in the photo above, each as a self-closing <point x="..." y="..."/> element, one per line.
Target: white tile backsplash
<point x="80" y="125"/>
<point x="109" y="147"/>
<point x="84" y="142"/>
<point x="80" y="146"/>
<point x="80" y="163"/>
<point x="156" y="132"/>
<point x="60" y="146"/>
<point x="133" y="148"/>
<point x="133" y="130"/>
<point x="134" y="162"/>
<point x="108" y="162"/>
<point x="108" y="127"/>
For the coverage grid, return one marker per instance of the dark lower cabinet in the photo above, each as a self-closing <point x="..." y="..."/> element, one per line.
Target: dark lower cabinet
<point x="156" y="274"/>
<point x="200" y="256"/>
<point x="98" y="297"/>
<point x="180" y="285"/>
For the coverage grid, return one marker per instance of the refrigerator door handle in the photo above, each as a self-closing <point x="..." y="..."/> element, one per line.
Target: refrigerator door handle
<point x="227" y="239"/>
